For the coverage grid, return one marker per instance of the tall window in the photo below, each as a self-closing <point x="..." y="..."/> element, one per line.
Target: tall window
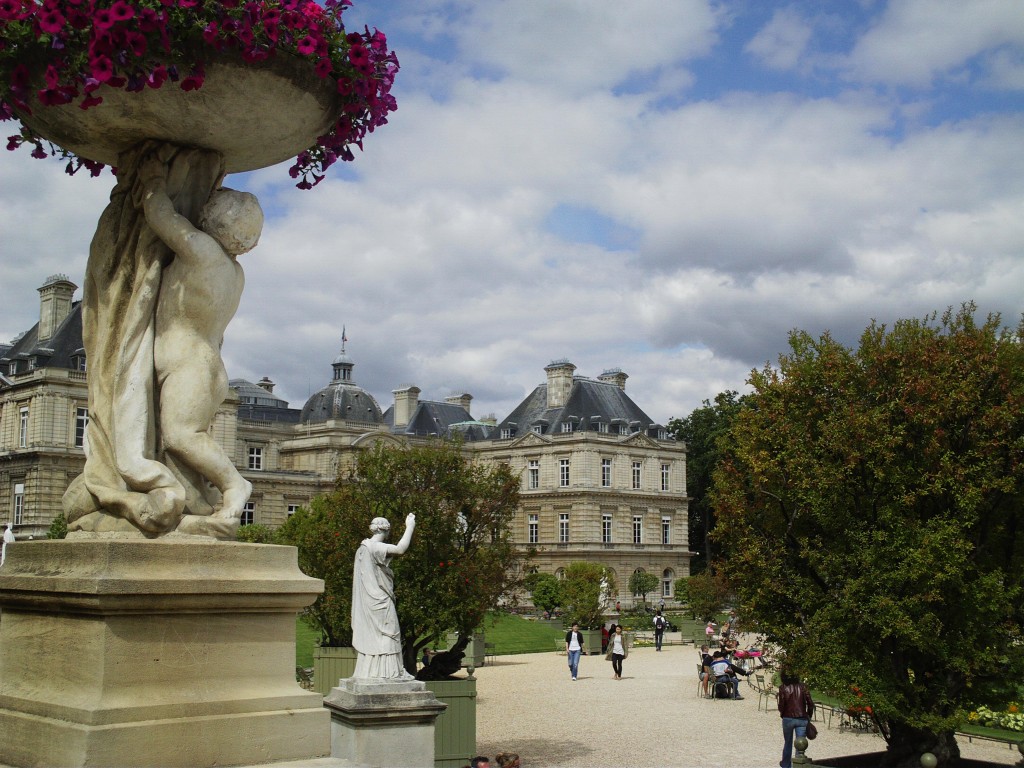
<point x="255" y="458"/>
<point x="606" y="529"/>
<point x="19" y="504"/>
<point x="249" y="513"/>
<point x="293" y="508"/>
<point x="23" y="427"/>
<point x="666" y="530"/>
<point x="664" y="477"/>
<point x="567" y="426"/>
<point x="506" y="434"/>
<point x="623" y="429"/>
<point x="563" y="527"/>
<point x="602" y="427"/>
<point x="532" y="530"/>
<point x="533" y="475"/>
<point x="606" y="473"/>
<point x="563" y="473"/>
<point x="81" y="422"/>
<point x="638" y="529"/>
<point x="666" y="582"/>
<point x="636" y="474"/>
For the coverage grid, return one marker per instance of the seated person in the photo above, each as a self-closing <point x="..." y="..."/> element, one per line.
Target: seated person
<point x="726" y="672"/>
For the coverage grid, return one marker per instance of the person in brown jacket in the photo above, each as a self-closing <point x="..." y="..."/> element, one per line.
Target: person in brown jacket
<point x="795" y="709"/>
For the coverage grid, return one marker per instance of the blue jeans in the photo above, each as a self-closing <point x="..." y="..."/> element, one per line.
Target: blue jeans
<point x="657" y="639"/>
<point x="789" y="726"/>
<point x="574" y="662"/>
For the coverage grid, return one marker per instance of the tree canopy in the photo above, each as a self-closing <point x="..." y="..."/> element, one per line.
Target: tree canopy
<point x="462" y="561"/>
<point x="585" y="589"/>
<point x="702" y="431"/>
<point x="870" y="507"/>
<point x="642" y="583"/>
<point x="545" y="591"/>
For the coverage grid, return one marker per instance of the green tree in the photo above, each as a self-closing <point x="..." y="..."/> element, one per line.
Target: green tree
<point x="707" y="595"/>
<point x="58" y="528"/>
<point x="702" y="432"/>
<point x="546" y="591"/>
<point x="642" y="583"/>
<point x="462" y="562"/>
<point x="584" y="590"/>
<point x="681" y="588"/>
<point x="871" y="506"/>
<point x="257" y="533"/>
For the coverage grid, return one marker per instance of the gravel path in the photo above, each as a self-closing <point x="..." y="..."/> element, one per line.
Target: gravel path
<point x="652" y="717"/>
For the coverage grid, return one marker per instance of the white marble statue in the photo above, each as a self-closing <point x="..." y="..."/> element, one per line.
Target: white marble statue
<point x="8" y="538"/>
<point x="161" y="285"/>
<point x="375" y="632"/>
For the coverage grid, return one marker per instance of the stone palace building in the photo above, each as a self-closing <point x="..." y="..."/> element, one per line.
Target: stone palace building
<point x="601" y="481"/>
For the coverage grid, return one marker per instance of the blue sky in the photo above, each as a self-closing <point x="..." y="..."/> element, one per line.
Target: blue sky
<point x="664" y="187"/>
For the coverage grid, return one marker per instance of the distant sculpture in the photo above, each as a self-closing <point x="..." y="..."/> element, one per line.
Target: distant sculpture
<point x="8" y="538"/>
<point x="159" y="293"/>
<point x="375" y="632"/>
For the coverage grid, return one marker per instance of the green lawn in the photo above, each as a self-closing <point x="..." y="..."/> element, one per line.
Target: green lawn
<point x="305" y="639"/>
<point x="514" y="634"/>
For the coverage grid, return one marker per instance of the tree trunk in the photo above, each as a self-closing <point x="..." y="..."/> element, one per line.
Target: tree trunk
<point x="907" y="744"/>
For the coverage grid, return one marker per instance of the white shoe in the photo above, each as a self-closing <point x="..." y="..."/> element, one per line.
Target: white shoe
<point x="574" y="679"/>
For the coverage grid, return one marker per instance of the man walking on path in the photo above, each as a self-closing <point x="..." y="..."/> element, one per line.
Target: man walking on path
<point x="659" y="629"/>
<point x="573" y="649"/>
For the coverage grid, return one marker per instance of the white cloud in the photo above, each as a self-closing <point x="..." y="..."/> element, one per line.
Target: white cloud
<point x="917" y="41"/>
<point x="782" y="41"/>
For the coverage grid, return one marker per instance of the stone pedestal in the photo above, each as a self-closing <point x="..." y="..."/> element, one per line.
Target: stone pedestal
<point x="154" y="653"/>
<point x="382" y="723"/>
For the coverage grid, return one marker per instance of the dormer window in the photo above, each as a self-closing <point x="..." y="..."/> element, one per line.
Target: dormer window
<point x="602" y="427"/>
<point x="506" y="434"/>
<point x="566" y="426"/>
<point x="538" y="429"/>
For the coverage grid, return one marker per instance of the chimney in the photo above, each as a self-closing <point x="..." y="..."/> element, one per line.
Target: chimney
<point x="461" y="398"/>
<point x="54" y="304"/>
<point x="559" y="382"/>
<point x="614" y="376"/>
<point x="405" y="404"/>
<point x="266" y="383"/>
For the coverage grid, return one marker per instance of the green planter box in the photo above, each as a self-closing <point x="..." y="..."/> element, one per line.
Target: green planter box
<point x="591" y="640"/>
<point x="330" y="665"/>
<point x="455" y="728"/>
<point x="476" y="652"/>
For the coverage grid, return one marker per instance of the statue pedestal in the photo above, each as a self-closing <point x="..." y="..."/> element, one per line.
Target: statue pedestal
<point x="154" y="653"/>
<point x="383" y="723"/>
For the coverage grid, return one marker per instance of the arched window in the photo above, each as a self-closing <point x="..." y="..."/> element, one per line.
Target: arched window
<point x="668" y="578"/>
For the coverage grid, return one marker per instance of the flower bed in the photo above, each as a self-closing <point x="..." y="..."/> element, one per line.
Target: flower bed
<point x="76" y="52"/>
<point x="1011" y="720"/>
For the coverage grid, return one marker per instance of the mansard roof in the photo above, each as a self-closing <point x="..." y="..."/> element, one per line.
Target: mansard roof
<point x="590" y="403"/>
<point x="442" y="419"/>
<point x="54" y="352"/>
<point x="257" y="404"/>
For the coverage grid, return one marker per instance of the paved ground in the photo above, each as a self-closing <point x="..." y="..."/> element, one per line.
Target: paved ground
<point x="652" y="717"/>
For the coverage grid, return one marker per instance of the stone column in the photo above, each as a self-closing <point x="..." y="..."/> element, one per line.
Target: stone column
<point x="176" y="652"/>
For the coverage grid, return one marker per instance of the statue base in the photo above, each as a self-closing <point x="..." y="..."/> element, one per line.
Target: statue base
<point x="154" y="653"/>
<point x="378" y="722"/>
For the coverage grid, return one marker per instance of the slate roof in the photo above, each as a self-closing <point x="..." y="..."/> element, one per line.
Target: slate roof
<point x="590" y="402"/>
<point x="54" y="352"/>
<point x="341" y="400"/>
<point x="432" y="417"/>
<point x="257" y="404"/>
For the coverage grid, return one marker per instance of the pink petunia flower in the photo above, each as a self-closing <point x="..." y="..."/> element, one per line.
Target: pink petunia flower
<point x="306" y="45"/>
<point x="51" y="21"/>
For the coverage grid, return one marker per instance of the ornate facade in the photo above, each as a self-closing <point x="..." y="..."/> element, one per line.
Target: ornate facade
<point x="601" y="482"/>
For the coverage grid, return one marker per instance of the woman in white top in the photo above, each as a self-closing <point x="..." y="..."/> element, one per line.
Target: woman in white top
<point x="618" y="649"/>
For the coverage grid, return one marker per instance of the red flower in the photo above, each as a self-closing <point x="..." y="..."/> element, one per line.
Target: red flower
<point x="51" y="21"/>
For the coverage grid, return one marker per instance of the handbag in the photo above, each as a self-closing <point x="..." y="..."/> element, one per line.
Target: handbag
<point x="811" y="732"/>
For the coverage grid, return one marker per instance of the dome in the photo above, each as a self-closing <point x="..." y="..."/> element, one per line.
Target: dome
<point x="341" y="399"/>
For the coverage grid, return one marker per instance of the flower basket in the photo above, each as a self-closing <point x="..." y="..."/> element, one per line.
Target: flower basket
<point x="257" y="82"/>
<point x="256" y="114"/>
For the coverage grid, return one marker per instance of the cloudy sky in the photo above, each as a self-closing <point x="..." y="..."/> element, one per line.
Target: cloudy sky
<point x="664" y="187"/>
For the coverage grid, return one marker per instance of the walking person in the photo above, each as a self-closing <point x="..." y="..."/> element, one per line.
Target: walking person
<point x="573" y="649"/>
<point x="618" y="649"/>
<point x="659" y="630"/>
<point x="795" y="709"/>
